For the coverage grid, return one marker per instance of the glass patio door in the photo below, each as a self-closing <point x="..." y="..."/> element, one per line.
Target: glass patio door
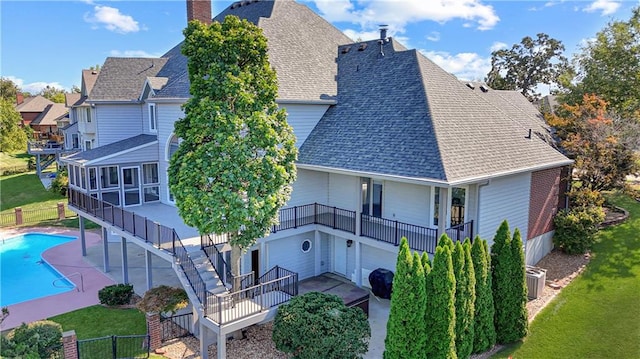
<point x="131" y="185"/>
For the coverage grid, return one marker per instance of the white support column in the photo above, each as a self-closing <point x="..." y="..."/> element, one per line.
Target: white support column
<point x="125" y="264"/>
<point x="358" y="264"/>
<point x="83" y="240"/>
<point x="317" y="243"/>
<point x="105" y="249"/>
<point x="148" y="266"/>
<point x="263" y="257"/>
<point x="221" y="346"/>
<point x="443" y="211"/>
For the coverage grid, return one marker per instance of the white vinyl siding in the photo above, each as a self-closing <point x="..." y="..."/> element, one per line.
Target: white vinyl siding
<point x="374" y="258"/>
<point x="303" y="118"/>
<point x="407" y="203"/>
<point x="344" y="191"/>
<point x="287" y="253"/>
<point x="309" y="187"/>
<point x="145" y="154"/>
<point x="504" y="198"/>
<point x="168" y="114"/>
<point x="117" y="122"/>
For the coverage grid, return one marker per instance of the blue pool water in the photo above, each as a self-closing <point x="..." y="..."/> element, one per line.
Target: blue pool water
<point x="23" y="274"/>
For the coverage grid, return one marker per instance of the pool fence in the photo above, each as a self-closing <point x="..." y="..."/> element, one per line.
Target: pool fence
<point x="21" y="216"/>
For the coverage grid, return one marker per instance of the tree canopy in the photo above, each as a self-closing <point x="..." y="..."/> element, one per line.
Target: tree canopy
<point x="12" y="137"/>
<point x="609" y="66"/>
<point x="53" y="94"/>
<point x="235" y="164"/>
<point x="8" y="90"/>
<point x="527" y="64"/>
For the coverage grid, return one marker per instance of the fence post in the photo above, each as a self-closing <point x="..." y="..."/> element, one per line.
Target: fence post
<point x="61" y="214"/>
<point x="70" y="344"/>
<point x="155" y="330"/>
<point x="295" y="217"/>
<point x="396" y="239"/>
<point x="18" y="211"/>
<point x="334" y="217"/>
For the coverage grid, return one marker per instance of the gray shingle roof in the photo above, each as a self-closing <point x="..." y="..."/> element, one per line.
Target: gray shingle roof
<point x="34" y="104"/>
<point x="302" y="49"/>
<point x="402" y="115"/>
<point x="51" y="114"/>
<point x="121" y="79"/>
<point x="72" y="99"/>
<point x="111" y="149"/>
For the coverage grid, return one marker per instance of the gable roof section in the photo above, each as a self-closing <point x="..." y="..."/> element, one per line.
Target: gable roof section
<point x="50" y="115"/>
<point x="34" y="104"/>
<point x="302" y="50"/>
<point x="112" y="150"/>
<point x="89" y="78"/>
<point x="402" y="115"/>
<point x="72" y="99"/>
<point x="120" y="79"/>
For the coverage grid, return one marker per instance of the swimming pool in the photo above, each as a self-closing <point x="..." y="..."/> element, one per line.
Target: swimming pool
<point x="24" y="275"/>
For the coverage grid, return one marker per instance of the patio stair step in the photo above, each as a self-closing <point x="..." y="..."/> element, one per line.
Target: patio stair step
<point x="207" y="272"/>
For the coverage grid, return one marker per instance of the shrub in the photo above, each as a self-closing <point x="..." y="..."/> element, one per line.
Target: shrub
<point x="406" y="328"/>
<point x="518" y="296"/>
<point x="163" y="299"/>
<point x="483" y="327"/>
<point x="502" y="280"/>
<point x="441" y="317"/>
<point x="319" y="325"/>
<point x="576" y="228"/>
<point x="31" y="163"/>
<point x="117" y="294"/>
<point x="40" y="339"/>
<point x="465" y="298"/>
<point x="60" y="183"/>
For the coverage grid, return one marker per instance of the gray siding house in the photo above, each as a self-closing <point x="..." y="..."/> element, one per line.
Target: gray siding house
<point x="390" y="145"/>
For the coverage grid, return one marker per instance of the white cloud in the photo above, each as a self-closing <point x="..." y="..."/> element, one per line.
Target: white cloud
<point x="132" y="53"/>
<point x="356" y="35"/>
<point x="33" y="87"/>
<point x="465" y="65"/>
<point x="433" y="36"/>
<point x="397" y="14"/>
<point x="498" y="46"/>
<point x="112" y="19"/>
<point x="607" y="7"/>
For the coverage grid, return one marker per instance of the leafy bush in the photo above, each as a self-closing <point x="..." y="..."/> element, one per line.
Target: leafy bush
<point x="484" y="329"/>
<point x="576" y="228"/>
<point x="40" y="339"/>
<point x="164" y="299"/>
<point x="60" y="183"/>
<point x="319" y="325"/>
<point x="117" y="294"/>
<point x="31" y="163"/>
<point x="441" y="315"/>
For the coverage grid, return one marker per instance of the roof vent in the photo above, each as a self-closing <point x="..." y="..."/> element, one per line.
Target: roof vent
<point x="362" y="46"/>
<point x="346" y="49"/>
<point x="470" y="85"/>
<point x="484" y="88"/>
<point x="94" y="72"/>
<point x="528" y="137"/>
<point x="235" y="5"/>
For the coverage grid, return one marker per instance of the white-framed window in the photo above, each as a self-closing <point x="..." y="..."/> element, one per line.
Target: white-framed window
<point x="93" y="178"/>
<point x="306" y="246"/>
<point x="371" y="196"/>
<point x="172" y="146"/>
<point x="83" y="178"/>
<point x="87" y="145"/>
<point x="131" y="185"/>
<point x="153" y="118"/>
<point x="150" y="182"/>
<point x="109" y="177"/>
<point x="169" y="194"/>
<point x="72" y="178"/>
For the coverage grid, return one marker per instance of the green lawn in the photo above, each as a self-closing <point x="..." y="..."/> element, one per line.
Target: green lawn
<point x="98" y="321"/>
<point x="25" y="190"/>
<point x="13" y="159"/>
<point x="597" y="315"/>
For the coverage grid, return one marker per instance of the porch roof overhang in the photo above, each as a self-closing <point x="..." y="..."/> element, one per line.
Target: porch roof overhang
<point x="113" y="150"/>
<point x="434" y="182"/>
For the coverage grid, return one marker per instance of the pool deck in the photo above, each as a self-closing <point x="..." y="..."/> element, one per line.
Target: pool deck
<point x="67" y="259"/>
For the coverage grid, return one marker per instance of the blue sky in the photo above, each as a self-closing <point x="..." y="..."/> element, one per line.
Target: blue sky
<point x="50" y="42"/>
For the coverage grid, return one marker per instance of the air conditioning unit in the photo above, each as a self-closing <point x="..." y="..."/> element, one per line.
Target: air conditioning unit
<point x="536" y="278"/>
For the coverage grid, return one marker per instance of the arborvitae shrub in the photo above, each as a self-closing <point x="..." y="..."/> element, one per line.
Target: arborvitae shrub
<point x="518" y="294"/>
<point x="484" y="328"/>
<point x="503" y="286"/>
<point x="441" y="302"/>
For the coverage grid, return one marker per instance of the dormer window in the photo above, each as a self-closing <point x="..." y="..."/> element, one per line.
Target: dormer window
<point x="153" y="124"/>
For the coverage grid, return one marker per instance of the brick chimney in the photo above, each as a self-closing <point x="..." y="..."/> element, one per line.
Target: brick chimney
<point x="19" y="98"/>
<point x="199" y="10"/>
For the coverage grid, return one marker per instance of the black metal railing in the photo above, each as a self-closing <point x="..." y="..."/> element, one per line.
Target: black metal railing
<point x="240" y="304"/>
<point x="216" y="258"/>
<point x="315" y="213"/>
<point x="461" y="231"/>
<point x="190" y="271"/>
<point x="176" y="326"/>
<point x="151" y="232"/>
<point x="420" y="238"/>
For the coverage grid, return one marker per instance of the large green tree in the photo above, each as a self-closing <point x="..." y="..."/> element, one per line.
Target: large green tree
<point x="484" y="329"/>
<point x="8" y="90"/>
<point x="441" y="319"/>
<point x="609" y="66"/>
<point x="526" y="65"/>
<point x="12" y="137"/>
<point x="53" y="94"/>
<point x="406" y="328"/>
<point x="234" y="167"/>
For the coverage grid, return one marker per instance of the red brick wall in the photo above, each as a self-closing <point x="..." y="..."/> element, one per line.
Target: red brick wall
<point x="199" y="10"/>
<point x="543" y="203"/>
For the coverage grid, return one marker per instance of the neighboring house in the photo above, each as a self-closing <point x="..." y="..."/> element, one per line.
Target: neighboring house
<point x="390" y="145"/>
<point x="45" y="125"/>
<point x="31" y="107"/>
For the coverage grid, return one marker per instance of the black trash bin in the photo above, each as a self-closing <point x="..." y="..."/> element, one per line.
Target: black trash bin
<point x="381" y="281"/>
